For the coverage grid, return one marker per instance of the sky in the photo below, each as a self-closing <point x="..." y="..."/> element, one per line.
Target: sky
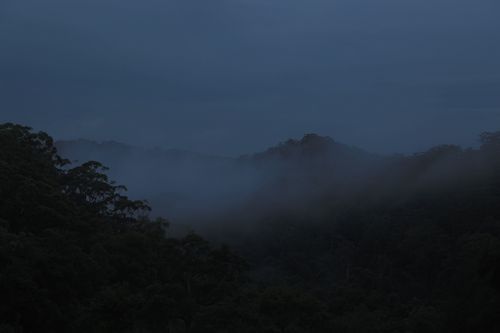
<point x="230" y="77"/>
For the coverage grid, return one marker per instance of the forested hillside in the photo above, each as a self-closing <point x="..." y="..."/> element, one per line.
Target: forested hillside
<point x="76" y="255"/>
<point x="348" y="242"/>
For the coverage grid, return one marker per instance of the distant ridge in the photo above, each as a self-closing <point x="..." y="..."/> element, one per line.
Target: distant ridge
<point x="185" y="185"/>
<point x="89" y="147"/>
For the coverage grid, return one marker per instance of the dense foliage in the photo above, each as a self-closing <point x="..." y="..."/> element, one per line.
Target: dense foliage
<point x="415" y="248"/>
<point x="77" y="255"/>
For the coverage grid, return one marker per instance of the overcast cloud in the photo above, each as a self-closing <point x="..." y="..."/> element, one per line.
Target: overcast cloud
<point x="235" y="76"/>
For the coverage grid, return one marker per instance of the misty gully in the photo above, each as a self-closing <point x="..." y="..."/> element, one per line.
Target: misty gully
<point x="322" y="237"/>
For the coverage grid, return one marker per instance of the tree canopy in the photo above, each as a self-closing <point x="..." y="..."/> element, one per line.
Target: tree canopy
<point x="417" y="251"/>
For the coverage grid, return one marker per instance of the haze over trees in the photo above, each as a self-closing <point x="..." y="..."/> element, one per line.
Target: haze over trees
<point x="322" y="237"/>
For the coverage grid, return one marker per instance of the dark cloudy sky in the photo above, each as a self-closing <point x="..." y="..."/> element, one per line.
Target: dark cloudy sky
<point x="235" y="76"/>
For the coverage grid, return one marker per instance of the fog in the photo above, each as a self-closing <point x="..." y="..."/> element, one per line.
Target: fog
<point x="308" y="177"/>
<point x="195" y="189"/>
